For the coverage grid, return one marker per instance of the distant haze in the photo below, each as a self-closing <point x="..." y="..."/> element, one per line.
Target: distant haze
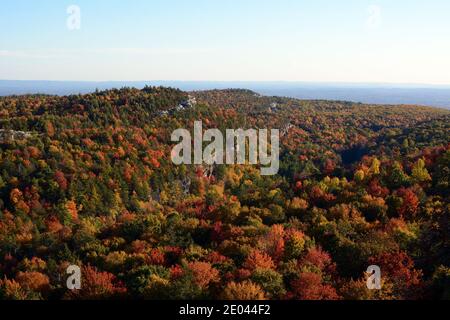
<point x="428" y="95"/>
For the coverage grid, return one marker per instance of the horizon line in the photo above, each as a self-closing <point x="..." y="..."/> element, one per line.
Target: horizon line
<point x="374" y="83"/>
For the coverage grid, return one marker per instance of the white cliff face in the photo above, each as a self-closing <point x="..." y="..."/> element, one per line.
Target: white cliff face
<point x="188" y="104"/>
<point x="14" y="135"/>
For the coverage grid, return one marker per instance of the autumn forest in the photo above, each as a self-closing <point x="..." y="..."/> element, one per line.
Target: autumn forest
<point x="87" y="180"/>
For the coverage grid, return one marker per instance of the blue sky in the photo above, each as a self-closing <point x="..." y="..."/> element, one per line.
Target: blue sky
<point x="397" y="41"/>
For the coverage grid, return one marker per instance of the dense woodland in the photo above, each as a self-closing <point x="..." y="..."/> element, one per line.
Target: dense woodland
<point x="87" y="180"/>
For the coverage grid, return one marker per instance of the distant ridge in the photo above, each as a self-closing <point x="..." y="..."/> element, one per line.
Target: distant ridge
<point x="417" y="94"/>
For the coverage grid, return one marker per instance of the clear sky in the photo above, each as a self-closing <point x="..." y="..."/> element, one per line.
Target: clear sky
<point x="399" y="41"/>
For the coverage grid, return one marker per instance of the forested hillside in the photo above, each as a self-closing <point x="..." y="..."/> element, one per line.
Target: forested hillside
<point x="87" y="180"/>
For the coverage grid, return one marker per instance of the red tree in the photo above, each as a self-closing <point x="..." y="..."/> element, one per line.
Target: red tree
<point x="97" y="285"/>
<point x="61" y="180"/>
<point x="258" y="260"/>
<point x="310" y="286"/>
<point x="410" y="203"/>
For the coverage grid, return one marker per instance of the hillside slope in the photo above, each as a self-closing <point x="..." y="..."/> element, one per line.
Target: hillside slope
<point x="87" y="180"/>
